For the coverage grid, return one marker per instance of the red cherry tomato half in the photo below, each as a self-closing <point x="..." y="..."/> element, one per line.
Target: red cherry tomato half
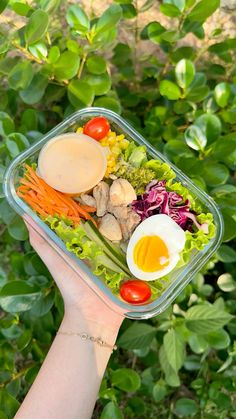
<point x="135" y="291"/>
<point x="97" y="128"/>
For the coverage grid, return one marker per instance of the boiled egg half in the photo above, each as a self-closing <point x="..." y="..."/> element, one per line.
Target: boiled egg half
<point x="154" y="247"/>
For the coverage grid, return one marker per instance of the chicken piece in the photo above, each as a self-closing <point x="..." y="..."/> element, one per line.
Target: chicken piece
<point x="110" y="228"/>
<point x="127" y="218"/>
<point x="101" y="195"/>
<point x="86" y="199"/>
<point x="121" y="193"/>
<point x="129" y="223"/>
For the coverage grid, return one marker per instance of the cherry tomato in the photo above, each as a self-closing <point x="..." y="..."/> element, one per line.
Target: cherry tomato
<point x="97" y="128"/>
<point x="135" y="291"/>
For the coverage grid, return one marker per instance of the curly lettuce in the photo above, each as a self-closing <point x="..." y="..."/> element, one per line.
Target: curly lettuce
<point x="77" y="242"/>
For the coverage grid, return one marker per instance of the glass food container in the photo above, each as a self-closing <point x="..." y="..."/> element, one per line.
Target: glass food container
<point x="179" y="278"/>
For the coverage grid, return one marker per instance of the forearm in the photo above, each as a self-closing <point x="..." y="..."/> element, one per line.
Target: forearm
<point x="69" y="379"/>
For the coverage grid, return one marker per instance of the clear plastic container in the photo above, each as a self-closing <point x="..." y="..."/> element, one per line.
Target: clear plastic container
<point x="179" y="278"/>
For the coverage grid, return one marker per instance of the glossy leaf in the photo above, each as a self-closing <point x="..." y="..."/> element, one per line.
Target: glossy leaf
<point x="80" y="93"/>
<point x="3" y="5"/>
<point x="39" y="50"/>
<point x="205" y="318"/>
<point x="21" y="9"/>
<point x="17" y="296"/>
<point x="215" y="174"/>
<point x="226" y="254"/>
<point x="100" y="83"/>
<point x="77" y="19"/>
<point x="67" y="66"/>
<point x="109" y="19"/>
<point x="126" y="379"/>
<point x="210" y="125"/>
<point x="170" y="90"/>
<point x="111" y="411"/>
<point x="21" y="75"/>
<point x="36" y="27"/>
<point x="226" y="282"/>
<point x="170" y="10"/>
<point x="195" y="138"/>
<point x="108" y="103"/>
<point x="17" y="229"/>
<point x="222" y="94"/>
<point x="96" y="64"/>
<point x="200" y="12"/>
<point x="35" y="90"/>
<point x="218" y="339"/>
<point x="154" y="31"/>
<point x="184" y="73"/>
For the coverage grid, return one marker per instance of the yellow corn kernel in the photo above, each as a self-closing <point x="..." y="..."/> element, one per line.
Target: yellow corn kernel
<point x="79" y="130"/>
<point x="120" y="137"/>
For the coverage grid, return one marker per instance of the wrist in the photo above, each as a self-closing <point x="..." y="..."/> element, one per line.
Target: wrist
<point x="75" y="321"/>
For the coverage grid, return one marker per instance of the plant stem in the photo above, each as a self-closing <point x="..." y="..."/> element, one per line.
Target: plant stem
<point x="82" y="64"/>
<point x="26" y="53"/>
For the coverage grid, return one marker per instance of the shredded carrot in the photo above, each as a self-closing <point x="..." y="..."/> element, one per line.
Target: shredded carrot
<point x="47" y="201"/>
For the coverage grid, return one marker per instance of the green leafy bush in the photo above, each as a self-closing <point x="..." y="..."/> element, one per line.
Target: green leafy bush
<point x="182" y="99"/>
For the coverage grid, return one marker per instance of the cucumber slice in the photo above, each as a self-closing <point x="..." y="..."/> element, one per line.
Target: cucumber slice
<point x="116" y="254"/>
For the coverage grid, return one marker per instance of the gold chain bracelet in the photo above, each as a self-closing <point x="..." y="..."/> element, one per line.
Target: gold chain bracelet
<point x="85" y="336"/>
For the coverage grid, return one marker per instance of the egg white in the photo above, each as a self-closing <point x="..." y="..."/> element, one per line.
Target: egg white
<point x="172" y="235"/>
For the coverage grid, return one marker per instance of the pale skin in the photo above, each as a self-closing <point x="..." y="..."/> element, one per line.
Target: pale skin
<point x="69" y="379"/>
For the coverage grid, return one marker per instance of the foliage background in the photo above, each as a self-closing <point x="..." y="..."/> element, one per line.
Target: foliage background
<point x="179" y="92"/>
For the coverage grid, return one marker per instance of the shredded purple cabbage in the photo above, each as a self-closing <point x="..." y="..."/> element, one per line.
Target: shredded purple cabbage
<point x="157" y="200"/>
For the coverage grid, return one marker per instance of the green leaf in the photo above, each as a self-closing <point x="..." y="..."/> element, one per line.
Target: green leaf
<point x="35" y="91"/>
<point x="108" y="103"/>
<point x="195" y="138"/>
<point x="159" y="391"/>
<point x="200" y="12"/>
<point x="80" y="93"/>
<point x="15" y="143"/>
<point x="18" y="296"/>
<point x="6" y="124"/>
<point x="8" y="403"/>
<point x="215" y="173"/>
<point x="210" y="126"/>
<point x="222" y="93"/>
<point x="3" y="5"/>
<point x="126" y="379"/>
<point x="184" y="73"/>
<point x="226" y="254"/>
<point x="54" y="54"/>
<point x="24" y="340"/>
<point x="186" y="407"/>
<point x="50" y="6"/>
<point x="226" y="282"/>
<point x="229" y="226"/>
<point x="197" y="94"/>
<point x="39" y="50"/>
<point x="128" y="11"/>
<point x="170" y="10"/>
<point x="43" y="305"/>
<point x="197" y="343"/>
<point x="67" y="66"/>
<point x="154" y="31"/>
<point x="147" y="5"/>
<point x="77" y="19"/>
<point x="171" y="376"/>
<point x="137" y="336"/>
<point x="111" y="411"/>
<point x="178" y="3"/>
<point x="205" y="318"/>
<point x="17" y="229"/>
<point x="21" y="75"/>
<point x="36" y="27"/>
<point x="170" y="90"/>
<point x="100" y="83"/>
<point x="174" y="349"/>
<point x="218" y="339"/>
<point x="109" y="19"/>
<point x="21" y="9"/>
<point x="96" y="64"/>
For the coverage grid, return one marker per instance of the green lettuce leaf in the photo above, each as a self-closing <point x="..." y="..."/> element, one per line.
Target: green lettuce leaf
<point x="162" y="170"/>
<point x="77" y="242"/>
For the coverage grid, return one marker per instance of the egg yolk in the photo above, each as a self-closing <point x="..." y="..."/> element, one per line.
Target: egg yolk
<point x="151" y="254"/>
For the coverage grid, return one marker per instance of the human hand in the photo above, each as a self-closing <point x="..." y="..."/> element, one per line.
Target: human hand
<point x="79" y="300"/>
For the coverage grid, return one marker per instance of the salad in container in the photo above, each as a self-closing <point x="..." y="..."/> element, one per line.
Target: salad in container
<point x="132" y="225"/>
